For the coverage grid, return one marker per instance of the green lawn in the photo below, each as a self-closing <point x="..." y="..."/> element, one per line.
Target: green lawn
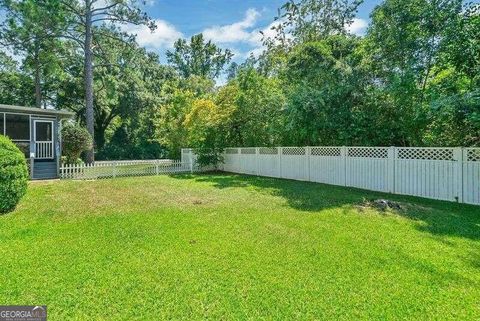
<point x="236" y="247"/>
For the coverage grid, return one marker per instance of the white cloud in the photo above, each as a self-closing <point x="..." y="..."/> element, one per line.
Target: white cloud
<point x="256" y="37"/>
<point x="245" y="32"/>
<point x="235" y="32"/>
<point x="242" y="32"/>
<point x="357" y="27"/>
<point x="256" y="52"/>
<point x="162" y="37"/>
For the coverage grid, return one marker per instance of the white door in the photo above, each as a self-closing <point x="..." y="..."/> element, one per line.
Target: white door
<point x="43" y="136"/>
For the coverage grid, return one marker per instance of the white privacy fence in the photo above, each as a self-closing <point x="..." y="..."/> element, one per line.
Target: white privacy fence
<point x="451" y="174"/>
<point x="112" y="169"/>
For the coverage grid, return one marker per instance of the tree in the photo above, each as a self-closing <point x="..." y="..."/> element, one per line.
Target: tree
<point x="130" y="85"/>
<point x="406" y="41"/>
<point x="323" y="86"/>
<point x="258" y="117"/>
<point x="15" y="87"/>
<point x="455" y="120"/>
<point x="169" y="123"/>
<point x="304" y="21"/>
<point x="461" y="44"/>
<point x="86" y="15"/>
<point x="198" y="58"/>
<point x="75" y="141"/>
<point x="28" y="33"/>
<point x="207" y="125"/>
<point x="311" y="20"/>
<point x="406" y="36"/>
<point x="118" y="81"/>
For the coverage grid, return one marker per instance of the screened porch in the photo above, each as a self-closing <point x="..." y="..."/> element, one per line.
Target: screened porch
<point x="36" y="132"/>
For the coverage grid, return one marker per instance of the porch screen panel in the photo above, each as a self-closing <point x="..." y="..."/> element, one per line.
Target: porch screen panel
<point x="24" y="147"/>
<point x="43" y="131"/>
<point x="17" y="127"/>
<point x="2" y="123"/>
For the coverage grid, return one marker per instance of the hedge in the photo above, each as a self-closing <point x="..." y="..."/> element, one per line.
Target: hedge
<point x="13" y="175"/>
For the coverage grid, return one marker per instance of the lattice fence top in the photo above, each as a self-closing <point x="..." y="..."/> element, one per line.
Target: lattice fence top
<point x="231" y="151"/>
<point x="472" y="155"/>
<point x="425" y="153"/>
<point x="293" y="151"/>
<point x="368" y="152"/>
<point x="402" y="153"/>
<point x="326" y="151"/>
<point x="268" y="150"/>
<point x="248" y="151"/>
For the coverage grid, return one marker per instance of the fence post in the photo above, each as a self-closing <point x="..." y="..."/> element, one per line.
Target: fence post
<point x="191" y="161"/>
<point x="257" y="152"/>
<point x="391" y="169"/>
<point x="308" y="152"/>
<point x="458" y="172"/>
<point x="343" y="154"/>
<point x="157" y="165"/>
<point x="114" y="169"/>
<point x="280" y="152"/>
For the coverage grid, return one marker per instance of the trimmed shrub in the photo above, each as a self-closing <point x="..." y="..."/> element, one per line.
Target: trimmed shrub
<point x="76" y="140"/>
<point x="13" y="175"/>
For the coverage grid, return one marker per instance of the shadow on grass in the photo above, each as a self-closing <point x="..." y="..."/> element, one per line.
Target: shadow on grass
<point x="438" y="217"/>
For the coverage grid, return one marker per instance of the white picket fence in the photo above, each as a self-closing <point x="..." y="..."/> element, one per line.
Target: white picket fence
<point x="451" y="174"/>
<point x="112" y="169"/>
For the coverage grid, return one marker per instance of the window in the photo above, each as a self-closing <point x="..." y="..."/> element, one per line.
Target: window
<point x="2" y="123"/>
<point x="17" y="127"/>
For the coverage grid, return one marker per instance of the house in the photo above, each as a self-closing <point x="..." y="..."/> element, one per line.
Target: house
<point x="36" y="132"/>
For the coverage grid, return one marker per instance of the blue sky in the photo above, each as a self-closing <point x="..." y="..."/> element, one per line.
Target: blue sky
<point x="233" y="24"/>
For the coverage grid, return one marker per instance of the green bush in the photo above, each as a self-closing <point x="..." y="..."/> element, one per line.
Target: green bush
<point x="13" y="175"/>
<point x="76" y="140"/>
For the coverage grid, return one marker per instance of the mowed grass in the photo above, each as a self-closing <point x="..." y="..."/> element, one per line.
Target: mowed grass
<point x="235" y="247"/>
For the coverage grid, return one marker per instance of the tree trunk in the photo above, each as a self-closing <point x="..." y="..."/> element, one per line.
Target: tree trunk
<point x="89" y="116"/>
<point x="99" y="137"/>
<point x="38" y="87"/>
